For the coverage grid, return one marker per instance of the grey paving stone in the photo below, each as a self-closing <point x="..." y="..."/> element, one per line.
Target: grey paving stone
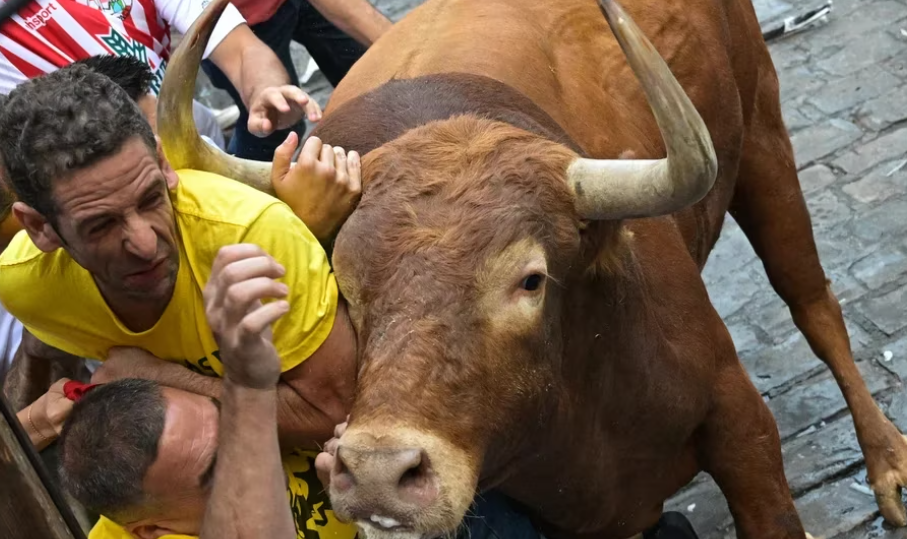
<point x="813" y="458"/>
<point x="822" y="139"/>
<point x="799" y="81"/>
<point x="888" y="147"/>
<point x="815" y="177"/>
<point x="871" y="16"/>
<point x="710" y="514"/>
<point x="897" y="410"/>
<point x="885" y="110"/>
<point x="897" y="364"/>
<point x="848" y="92"/>
<point x="794" y="118"/>
<point x="882" y="183"/>
<point x="878" y="223"/>
<point x="887" y="312"/>
<point x="874" y="528"/>
<point x="774" y="366"/>
<point x="732" y="252"/>
<point x="836" y="508"/>
<point x="827" y="210"/>
<point x="880" y="267"/>
<point x="818" y="399"/>
<point x="744" y="337"/>
<point x="861" y="53"/>
<point x="733" y="291"/>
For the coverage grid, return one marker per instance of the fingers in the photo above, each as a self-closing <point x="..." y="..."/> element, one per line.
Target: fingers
<point x="311" y="152"/>
<point x="283" y="157"/>
<point x="261" y="318"/>
<point x="231" y="253"/>
<point x="340" y="429"/>
<point x="246" y="282"/>
<point x="354" y="170"/>
<point x="313" y="110"/>
<point x="241" y="274"/>
<point x="324" y="462"/>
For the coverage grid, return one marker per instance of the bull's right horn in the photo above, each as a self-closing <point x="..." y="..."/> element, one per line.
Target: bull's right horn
<point x="180" y="140"/>
<point x="627" y="188"/>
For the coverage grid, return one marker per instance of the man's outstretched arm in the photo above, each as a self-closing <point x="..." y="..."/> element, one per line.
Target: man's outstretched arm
<point x="248" y="498"/>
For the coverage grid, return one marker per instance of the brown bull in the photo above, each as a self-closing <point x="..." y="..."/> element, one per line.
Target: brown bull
<point x="519" y="326"/>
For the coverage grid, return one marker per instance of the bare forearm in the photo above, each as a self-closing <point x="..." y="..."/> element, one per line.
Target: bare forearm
<point x="358" y="18"/>
<point x="260" y="69"/>
<point x="35" y="367"/>
<point x="248" y="499"/>
<point x="299" y="423"/>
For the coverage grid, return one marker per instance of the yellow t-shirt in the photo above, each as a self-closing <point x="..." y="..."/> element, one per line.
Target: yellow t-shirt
<point x="309" y="507"/>
<point x="58" y="301"/>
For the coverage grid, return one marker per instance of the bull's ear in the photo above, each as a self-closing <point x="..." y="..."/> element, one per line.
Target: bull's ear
<point x="169" y="173"/>
<point x="37" y="227"/>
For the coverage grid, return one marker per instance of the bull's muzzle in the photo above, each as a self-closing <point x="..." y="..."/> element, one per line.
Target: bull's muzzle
<point x="396" y="481"/>
<point x="386" y="487"/>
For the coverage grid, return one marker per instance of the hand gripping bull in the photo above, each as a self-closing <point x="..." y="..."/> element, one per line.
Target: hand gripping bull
<point x="529" y="306"/>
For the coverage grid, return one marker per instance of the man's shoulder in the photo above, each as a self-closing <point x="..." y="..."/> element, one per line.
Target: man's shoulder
<point x="22" y="254"/>
<point x="217" y="200"/>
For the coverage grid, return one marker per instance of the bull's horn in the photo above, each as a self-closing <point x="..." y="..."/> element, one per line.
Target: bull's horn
<point x="180" y="140"/>
<point x="626" y="188"/>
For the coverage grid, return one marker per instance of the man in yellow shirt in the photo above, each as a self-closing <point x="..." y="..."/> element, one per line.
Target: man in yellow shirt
<point x="118" y="246"/>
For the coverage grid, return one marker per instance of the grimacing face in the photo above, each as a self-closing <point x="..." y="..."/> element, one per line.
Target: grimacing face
<point x="178" y="482"/>
<point x="116" y="220"/>
<point x="455" y="296"/>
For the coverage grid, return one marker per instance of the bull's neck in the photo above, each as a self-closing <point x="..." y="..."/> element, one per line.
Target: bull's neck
<point x="387" y="112"/>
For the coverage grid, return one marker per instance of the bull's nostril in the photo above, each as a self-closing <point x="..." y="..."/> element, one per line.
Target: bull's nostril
<point x="416" y="484"/>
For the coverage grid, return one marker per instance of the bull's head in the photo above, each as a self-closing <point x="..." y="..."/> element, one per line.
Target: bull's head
<point x="454" y="266"/>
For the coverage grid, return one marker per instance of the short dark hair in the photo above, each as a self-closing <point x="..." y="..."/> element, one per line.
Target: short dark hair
<point x="109" y="442"/>
<point x="56" y="124"/>
<point x="130" y="73"/>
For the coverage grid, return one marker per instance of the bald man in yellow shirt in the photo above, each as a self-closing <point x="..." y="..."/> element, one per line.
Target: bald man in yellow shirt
<point x="118" y="247"/>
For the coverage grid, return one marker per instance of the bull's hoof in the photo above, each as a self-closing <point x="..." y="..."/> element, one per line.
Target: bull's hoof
<point x="887" y="471"/>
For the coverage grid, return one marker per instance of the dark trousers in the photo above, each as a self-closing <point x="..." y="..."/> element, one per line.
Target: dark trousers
<point x="334" y="51"/>
<point x="494" y="516"/>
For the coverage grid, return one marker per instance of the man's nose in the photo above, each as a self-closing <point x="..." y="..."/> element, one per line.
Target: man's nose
<point x="141" y="239"/>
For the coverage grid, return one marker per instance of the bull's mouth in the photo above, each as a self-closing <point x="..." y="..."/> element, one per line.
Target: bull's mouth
<point x="401" y="483"/>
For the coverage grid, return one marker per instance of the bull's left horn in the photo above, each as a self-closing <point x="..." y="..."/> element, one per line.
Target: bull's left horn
<point x="626" y="188"/>
<point x="180" y="140"/>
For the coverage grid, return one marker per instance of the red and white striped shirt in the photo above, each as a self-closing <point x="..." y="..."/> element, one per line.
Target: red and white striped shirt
<point x="46" y="35"/>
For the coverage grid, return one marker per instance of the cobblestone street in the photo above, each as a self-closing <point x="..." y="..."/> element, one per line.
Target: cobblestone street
<point x="844" y="91"/>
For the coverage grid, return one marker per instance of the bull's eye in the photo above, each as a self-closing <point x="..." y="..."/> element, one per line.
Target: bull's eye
<point x="532" y="282"/>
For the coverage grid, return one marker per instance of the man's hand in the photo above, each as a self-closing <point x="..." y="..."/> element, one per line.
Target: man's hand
<point x="43" y="419"/>
<point x="280" y="107"/>
<point x="324" y="462"/>
<point x="322" y="188"/>
<point x="242" y="277"/>
<point x="129" y="362"/>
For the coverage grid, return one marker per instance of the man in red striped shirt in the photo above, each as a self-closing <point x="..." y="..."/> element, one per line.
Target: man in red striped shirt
<point x="45" y="35"/>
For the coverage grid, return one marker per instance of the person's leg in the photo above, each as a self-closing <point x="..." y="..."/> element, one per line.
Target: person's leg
<point x="333" y="50"/>
<point x="276" y="33"/>
<point x="493" y="516"/>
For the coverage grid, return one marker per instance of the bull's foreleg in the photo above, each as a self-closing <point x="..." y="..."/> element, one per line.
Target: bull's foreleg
<point x="740" y="447"/>
<point x="770" y="208"/>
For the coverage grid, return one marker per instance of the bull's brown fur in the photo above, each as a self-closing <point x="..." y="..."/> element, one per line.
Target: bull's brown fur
<point x="625" y="384"/>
